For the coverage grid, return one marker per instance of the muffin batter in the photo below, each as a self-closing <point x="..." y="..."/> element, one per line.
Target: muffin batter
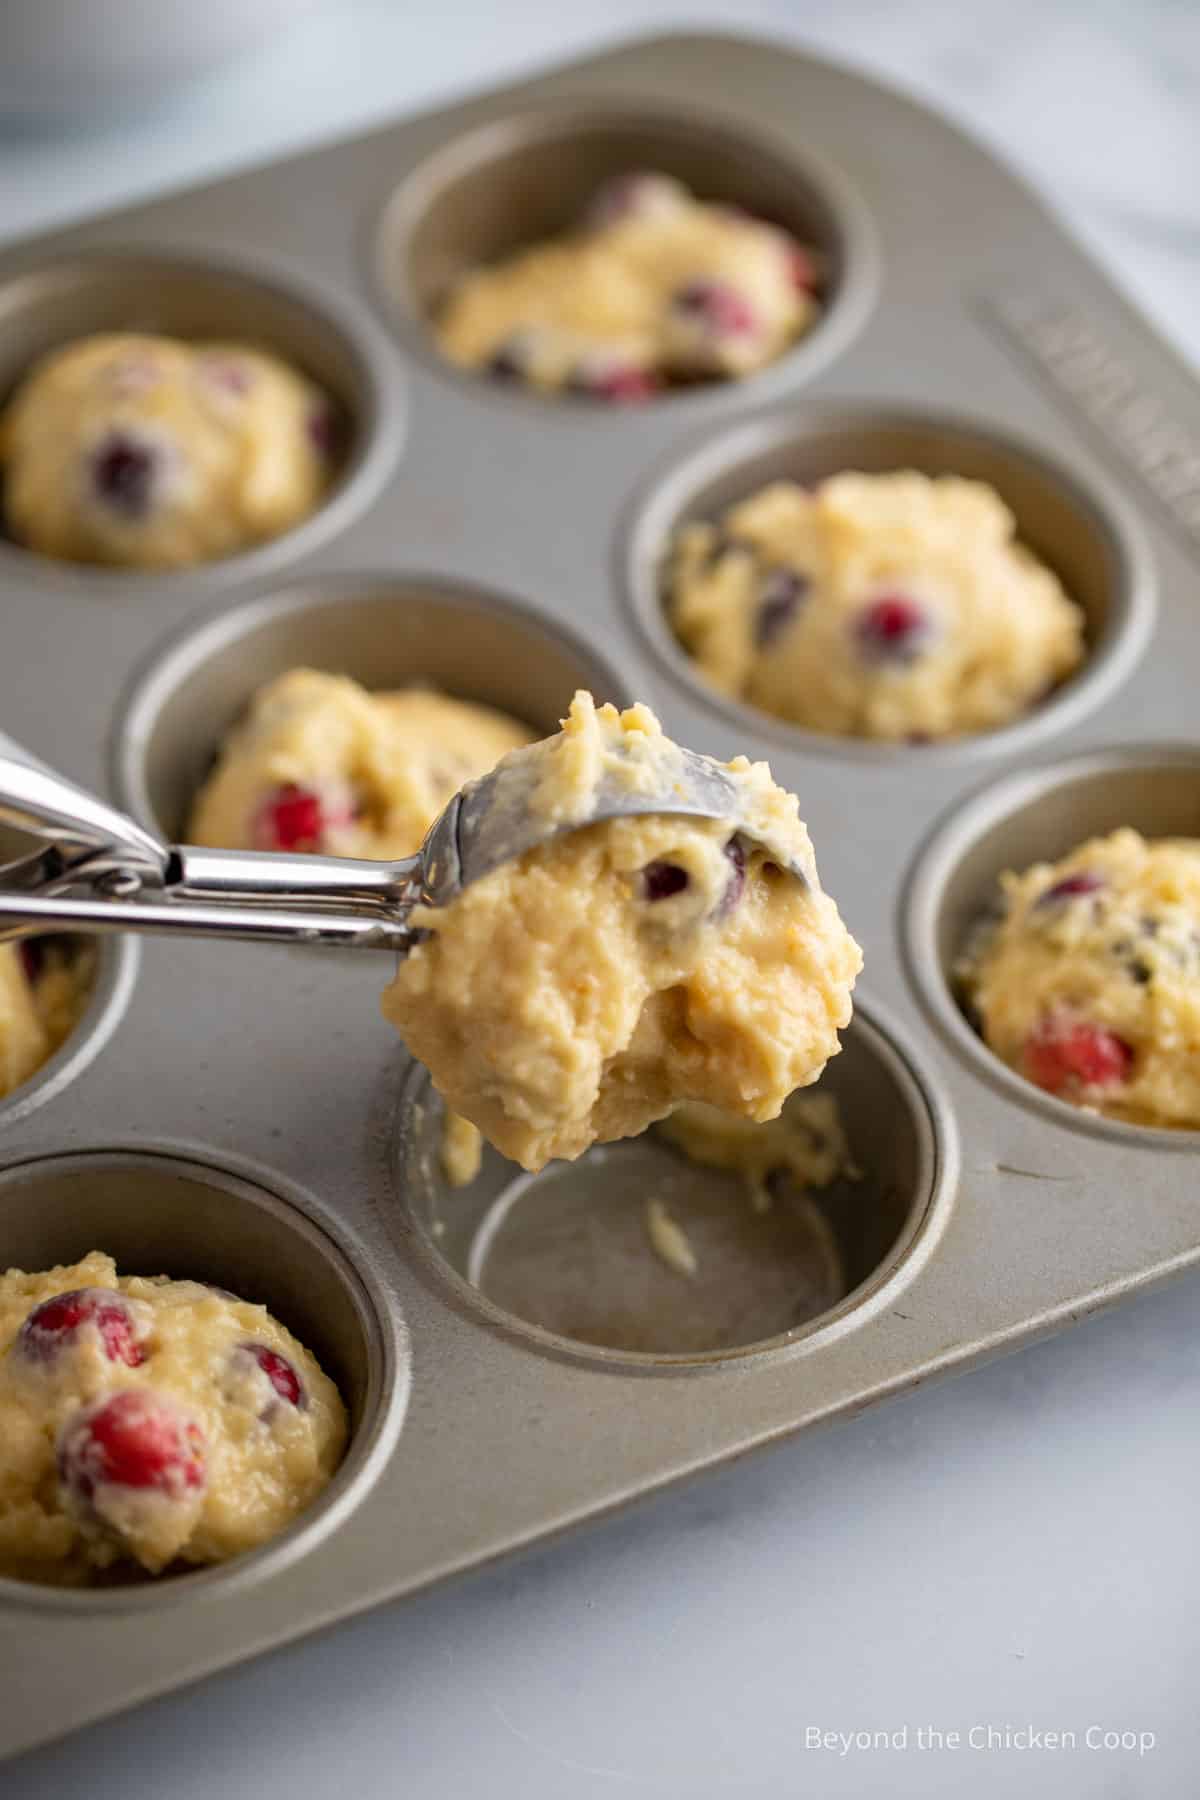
<point x="147" y="1422"/>
<point x="460" y="1153"/>
<point x="1089" y="984"/>
<point x="581" y="992"/>
<point x="150" y="453"/>
<point x="805" y="1142"/>
<point x="652" y="287"/>
<point x="881" y="606"/>
<point x="44" y="984"/>
<point x="668" y="1240"/>
<point x="321" y="764"/>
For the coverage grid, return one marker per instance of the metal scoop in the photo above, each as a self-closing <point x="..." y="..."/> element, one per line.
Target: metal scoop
<point x="99" y="870"/>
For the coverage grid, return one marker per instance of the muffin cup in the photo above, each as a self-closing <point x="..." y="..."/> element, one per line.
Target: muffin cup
<point x="385" y="632"/>
<point x="160" y="1210"/>
<point x="565" y="1257"/>
<point x="190" y="297"/>
<point x="1036" y="816"/>
<point x="1081" y="531"/>
<point x="519" y="180"/>
<point x="107" y="995"/>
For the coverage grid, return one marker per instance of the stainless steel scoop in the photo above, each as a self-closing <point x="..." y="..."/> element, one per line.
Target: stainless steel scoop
<point x="98" y="870"/>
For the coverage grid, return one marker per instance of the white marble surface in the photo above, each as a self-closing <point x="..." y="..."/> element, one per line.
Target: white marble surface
<point x="1018" y="1547"/>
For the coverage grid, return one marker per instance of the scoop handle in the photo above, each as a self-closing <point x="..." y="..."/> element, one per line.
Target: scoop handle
<point x="49" y="807"/>
<point x="100" y="871"/>
<point x="27" y="915"/>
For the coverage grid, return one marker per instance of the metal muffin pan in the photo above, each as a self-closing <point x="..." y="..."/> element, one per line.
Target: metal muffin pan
<point x="508" y="548"/>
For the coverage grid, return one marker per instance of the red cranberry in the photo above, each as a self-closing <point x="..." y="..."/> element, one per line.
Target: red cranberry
<point x="802" y="267"/>
<point x="55" y="1325"/>
<point x="292" y="818"/>
<point x="616" y="382"/>
<point x="893" y="628"/>
<point x="720" y="308"/>
<point x="135" y="372"/>
<point x="324" y="431"/>
<point x="1084" y="881"/>
<point x="282" y="1374"/>
<point x="134" y="1439"/>
<point x="510" y="360"/>
<point x="32" y="953"/>
<point x="629" y="384"/>
<point x="125" y="472"/>
<point x="660" y="880"/>
<point x="735" y="851"/>
<point x="1063" y="1054"/>
<point x="636" y="192"/>
<point x="779" y="601"/>
<point x="226" y="373"/>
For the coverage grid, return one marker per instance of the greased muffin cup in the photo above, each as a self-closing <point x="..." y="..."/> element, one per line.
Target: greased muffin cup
<point x="522" y="1354"/>
<point x="568" y="1255"/>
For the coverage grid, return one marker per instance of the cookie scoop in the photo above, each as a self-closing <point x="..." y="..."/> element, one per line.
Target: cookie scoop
<point x="98" y="870"/>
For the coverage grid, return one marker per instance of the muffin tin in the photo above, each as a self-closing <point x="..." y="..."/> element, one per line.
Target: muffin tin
<point x="243" y="1113"/>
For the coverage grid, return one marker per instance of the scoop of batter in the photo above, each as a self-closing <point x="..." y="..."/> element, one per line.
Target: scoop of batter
<point x="151" y="453"/>
<point x="44" y="984"/>
<point x="580" y="992"/>
<point x="881" y="606"/>
<point x="148" y="1421"/>
<point x="652" y="287"/>
<point x="321" y="764"/>
<point x="1089" y="984"/>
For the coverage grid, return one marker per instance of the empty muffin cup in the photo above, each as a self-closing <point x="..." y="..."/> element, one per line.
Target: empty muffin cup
<point x="386" y="633"/>
<point x="521" y="180"/>
<point x="1036" y="816"/>
<point x="1079" y="530"/>
<point x="638" y="1254"/>
<point x="164" y="1213"/>
<point x="359" y="427"/>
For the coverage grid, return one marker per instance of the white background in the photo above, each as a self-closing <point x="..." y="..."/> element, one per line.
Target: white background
<point x="1019" y="1546"/>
